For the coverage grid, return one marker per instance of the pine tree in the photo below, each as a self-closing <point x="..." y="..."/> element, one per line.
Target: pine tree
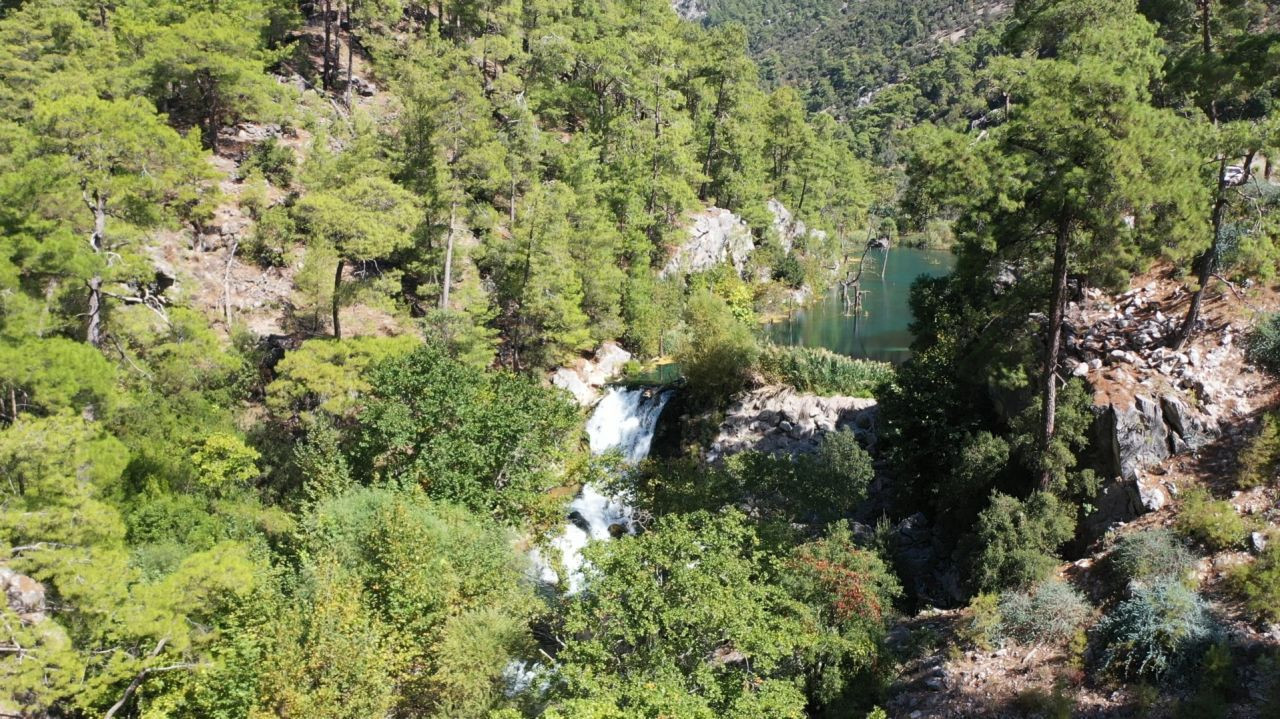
<point x="1082" y="148"/>
<point x="127" y="168"/>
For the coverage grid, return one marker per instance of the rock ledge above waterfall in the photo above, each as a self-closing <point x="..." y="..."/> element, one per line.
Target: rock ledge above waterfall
<point x="585" y="377"/>
<point x="780" y="420"/>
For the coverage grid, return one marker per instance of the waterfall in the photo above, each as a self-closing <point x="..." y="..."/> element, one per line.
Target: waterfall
<point x="624" y="420"/>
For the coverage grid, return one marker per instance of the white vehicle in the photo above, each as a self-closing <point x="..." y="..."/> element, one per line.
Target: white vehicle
<point x="1234" y="175"/>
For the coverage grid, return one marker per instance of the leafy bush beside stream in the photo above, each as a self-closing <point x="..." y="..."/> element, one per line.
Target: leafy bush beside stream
<point x="812" y="369"/>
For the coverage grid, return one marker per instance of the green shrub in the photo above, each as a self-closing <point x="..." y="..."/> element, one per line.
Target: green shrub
<point x="812" y="369"/>
<point x="1264" y="343"/>
<point x="1216" y="680"/>
<point x="1212" y="522"/>
<point x="1150" y="556"/>
<point x="1258" y="584"/>
<point x="1019" y="538"/>
<point x="1156" y="632"/>
<point x="274" y="160"/>
<point x="1260" y="461"/>
<point x="838" y="475"/>
<point x="1050" y="612"/>
<point x="272" y="237"/>
<point x="718" y="350"/>
<point x="980" y="627"/>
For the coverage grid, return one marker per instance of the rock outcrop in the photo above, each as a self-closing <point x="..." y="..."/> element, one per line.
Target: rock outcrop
<point x="789" y="228"/>
<point x="584" y="378"/>
<point x="24" y="595"/>
<point x="715" y="236"/>
<point x="1132" y="436"/>
<point x="1123" y="340"/>
<point x="1151" y="402"/>
<point x="780" y="420"/>
<point x="688" y="9"/>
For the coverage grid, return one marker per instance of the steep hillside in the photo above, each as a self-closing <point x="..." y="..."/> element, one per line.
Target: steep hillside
<point x="841" y="53"/>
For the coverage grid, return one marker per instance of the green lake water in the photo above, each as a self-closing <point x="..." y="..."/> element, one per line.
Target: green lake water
<point x="880" y="331"/>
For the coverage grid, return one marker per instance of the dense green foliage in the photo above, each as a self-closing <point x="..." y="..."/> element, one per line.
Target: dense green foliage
<point x="491" y="441"/>
<point x="821" y="371"/>
<point x="310" y="486"/>
<point x="844" y="54"/>
<point x="698" y="619"/>
<point x="1259" y="583"/>
<point x="1260" y="460"/>
<point x="1019" y="540"/>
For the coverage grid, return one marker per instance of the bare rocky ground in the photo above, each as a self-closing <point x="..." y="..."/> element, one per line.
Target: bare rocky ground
<point x="210" y="269"/>
<point x="1118" y="347"/>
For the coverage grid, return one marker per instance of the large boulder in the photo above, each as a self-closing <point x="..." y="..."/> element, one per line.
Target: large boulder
<point x="780" y="420"/>
<point x="715" y="236"/>
<point x="1132" y="436"/>
<point x="25" y="595"/>
<point x="585" y="377"/>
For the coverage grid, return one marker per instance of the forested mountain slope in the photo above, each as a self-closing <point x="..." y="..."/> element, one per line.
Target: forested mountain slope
<point x="839" y="54"/>
<point x="282" y="285"/>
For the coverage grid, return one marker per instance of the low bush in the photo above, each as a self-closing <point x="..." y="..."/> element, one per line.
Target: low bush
<point x="272" y="237"/>
<point x="1260" y="460"/>
<point x="1150" y="556"/>
<point x="811" y="369"/>
<point x="274" y="160"/>
<point x="1051" y="612"/>
<point x="1019" y="539"/>
<point x="1212" y="522"/>
<point x="1155" y="633"/>
<point x="980" y="627"/>
<point x="1036" y="702"/>
<point x="1258" y="584"/>
<point x="1264" y="343"/>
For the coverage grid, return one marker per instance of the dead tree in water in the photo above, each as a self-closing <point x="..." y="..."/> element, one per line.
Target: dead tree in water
<point x="856" y="280"/>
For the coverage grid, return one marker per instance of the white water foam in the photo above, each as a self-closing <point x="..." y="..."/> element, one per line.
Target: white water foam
<point x="624" y="420"/>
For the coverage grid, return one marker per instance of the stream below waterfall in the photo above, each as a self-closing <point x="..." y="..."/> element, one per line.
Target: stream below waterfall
<point x="624" y="420"/>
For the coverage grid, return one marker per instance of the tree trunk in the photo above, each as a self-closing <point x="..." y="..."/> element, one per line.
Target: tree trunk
<point x="448" y="259"/>
<point x="653" y="171"/>
<point x="711" y="143"/>
<point x="1049" y="378"/>
<point x="326" y="68"/>
<point x="1209" y="259"/>
<point x="96" y="241"/>
<point x="351" y="41"/>
<point x="337" y="283"/>
<point x="1206" y="36"/>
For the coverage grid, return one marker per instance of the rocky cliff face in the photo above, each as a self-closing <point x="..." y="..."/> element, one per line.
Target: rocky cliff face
<point x="689" y="9"/>
<point x="790" y="229"/>
<point x="780" y="420"/>
<point x="716" y="235"/>
<point x="1132" y="436"/>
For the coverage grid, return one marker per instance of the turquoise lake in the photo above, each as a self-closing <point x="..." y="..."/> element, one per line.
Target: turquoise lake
<point x="878" y="332"/>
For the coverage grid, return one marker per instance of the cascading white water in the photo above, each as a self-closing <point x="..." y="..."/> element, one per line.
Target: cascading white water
<point x="624" y="420"/>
